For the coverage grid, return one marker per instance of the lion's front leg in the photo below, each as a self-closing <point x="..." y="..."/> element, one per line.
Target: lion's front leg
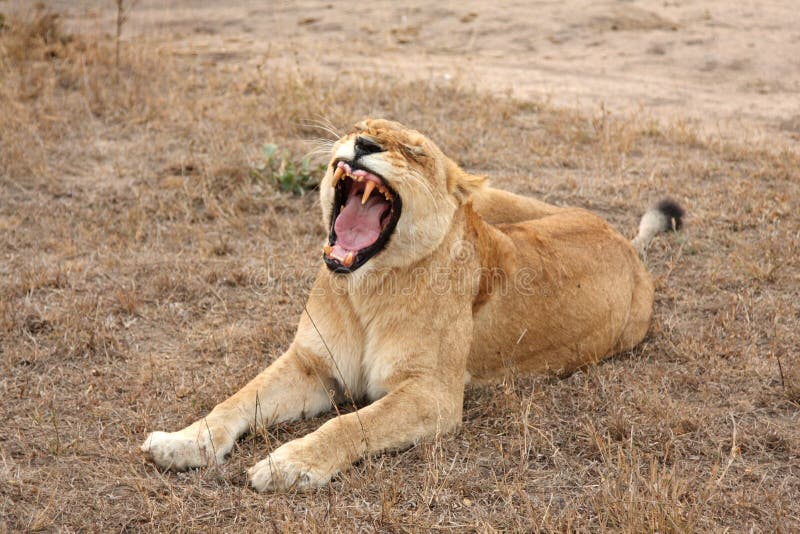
<point x="296" y="384"/>
<point x="419" y="408"/>
<point x="423" y="380"/>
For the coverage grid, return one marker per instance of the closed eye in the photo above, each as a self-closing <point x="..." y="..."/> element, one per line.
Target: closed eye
<point x="414" y="152"/>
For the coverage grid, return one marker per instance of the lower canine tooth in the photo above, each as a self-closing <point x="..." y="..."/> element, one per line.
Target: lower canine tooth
<point x="348" y="260"/>
<point x="367" y="192"/>
<point x="327" y="249"/>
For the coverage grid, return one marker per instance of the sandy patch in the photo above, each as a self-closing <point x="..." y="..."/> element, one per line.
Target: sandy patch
<point x="733" y="68"/>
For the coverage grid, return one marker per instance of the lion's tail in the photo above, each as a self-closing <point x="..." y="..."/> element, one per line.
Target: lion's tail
<point x="666" y="216"/>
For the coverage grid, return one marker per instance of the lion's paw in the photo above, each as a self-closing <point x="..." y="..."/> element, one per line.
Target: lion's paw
<point x="182" y="450"/>
<point x="287" y="469"/>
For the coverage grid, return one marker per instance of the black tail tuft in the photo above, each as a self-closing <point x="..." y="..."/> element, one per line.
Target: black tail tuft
<point x="673" y="212"/>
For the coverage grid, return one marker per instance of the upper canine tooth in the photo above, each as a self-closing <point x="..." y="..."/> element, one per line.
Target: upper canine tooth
<point x="367" y="192"/>
<point x="337" y="175"/>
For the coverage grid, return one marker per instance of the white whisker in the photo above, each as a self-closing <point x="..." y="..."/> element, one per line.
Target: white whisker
<point x="323" y="124"/>
<point x="424" y="185"/>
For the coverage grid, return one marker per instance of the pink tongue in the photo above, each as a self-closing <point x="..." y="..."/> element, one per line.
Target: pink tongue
<point x="358" y="226"/>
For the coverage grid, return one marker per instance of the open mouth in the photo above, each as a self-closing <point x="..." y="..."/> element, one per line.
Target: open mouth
<point x="365" y="213"/>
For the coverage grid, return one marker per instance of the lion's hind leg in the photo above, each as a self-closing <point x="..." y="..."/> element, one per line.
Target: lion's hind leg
<point x="640" y="313"/>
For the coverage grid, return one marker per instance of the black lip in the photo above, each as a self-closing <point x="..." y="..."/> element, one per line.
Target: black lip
<point x="365" y="254"/>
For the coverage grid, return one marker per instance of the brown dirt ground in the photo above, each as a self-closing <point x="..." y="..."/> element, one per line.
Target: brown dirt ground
<point x="145" y="273"/>
<point x="732" y="68"/>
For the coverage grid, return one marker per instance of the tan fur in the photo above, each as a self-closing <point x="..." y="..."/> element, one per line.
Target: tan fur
<point x="474" y="282"/>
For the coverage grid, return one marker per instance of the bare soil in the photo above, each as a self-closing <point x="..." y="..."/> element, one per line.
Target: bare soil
<point x="733" y="69"/>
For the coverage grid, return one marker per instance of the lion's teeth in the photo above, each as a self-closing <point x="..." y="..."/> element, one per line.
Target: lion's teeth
<point x="367" y="192"/>
<point x="337" y="175"/>
<point x="327" y="249"/>
<point x="348" y="260"/>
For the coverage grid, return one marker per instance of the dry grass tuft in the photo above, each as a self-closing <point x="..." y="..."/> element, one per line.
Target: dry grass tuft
<point x="147" y="273"/>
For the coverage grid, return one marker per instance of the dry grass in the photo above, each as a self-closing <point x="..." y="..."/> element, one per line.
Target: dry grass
<point x="146" y="274"/>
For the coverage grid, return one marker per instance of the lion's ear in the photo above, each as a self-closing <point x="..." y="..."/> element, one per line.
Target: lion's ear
<point x="462" y="184"/>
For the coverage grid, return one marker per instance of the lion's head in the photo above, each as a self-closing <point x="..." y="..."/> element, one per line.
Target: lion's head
<point x="388" y="196"/>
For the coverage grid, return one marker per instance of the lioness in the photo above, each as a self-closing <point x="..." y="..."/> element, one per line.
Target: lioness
<point x="431" y="279"/>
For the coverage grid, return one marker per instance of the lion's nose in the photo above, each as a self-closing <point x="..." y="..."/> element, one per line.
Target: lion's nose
<point x="364" y="147"/>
